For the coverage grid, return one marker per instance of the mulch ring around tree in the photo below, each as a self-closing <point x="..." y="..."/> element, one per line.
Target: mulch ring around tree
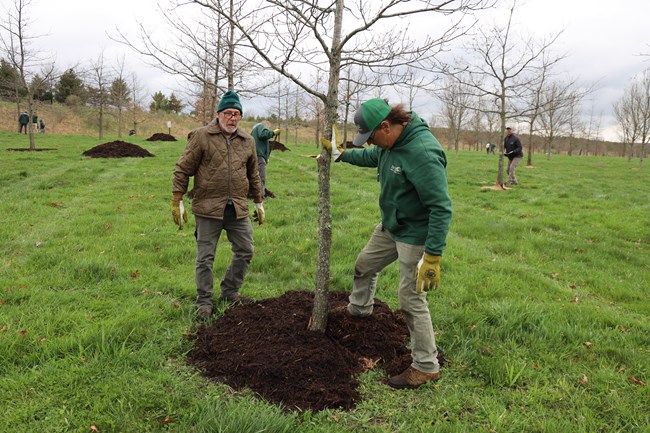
<point x="159" y="136"/>
<point x="267" y="348"/>
<point x="117" y="149"/>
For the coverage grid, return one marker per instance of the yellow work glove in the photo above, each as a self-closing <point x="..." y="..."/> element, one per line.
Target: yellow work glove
<point x="260" y="213"/>
<point x="428" y="273"/>
<point x="335" y="151"/>
<point x="178" y="213"/>
<point x="276" y="132"/>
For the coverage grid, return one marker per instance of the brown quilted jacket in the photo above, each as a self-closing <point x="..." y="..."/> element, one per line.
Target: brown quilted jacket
<point x="222" y="169"/>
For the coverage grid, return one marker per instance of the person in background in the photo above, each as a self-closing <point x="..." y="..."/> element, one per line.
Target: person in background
<point x="262" y="134"/>
<point x="42" y="126"/>
<point x="415" y="216"/>
<point x="222" y="159"/>
<point x="35" y="121"/>
<point x="23" y="121"/>
<point x="513" y="149"/>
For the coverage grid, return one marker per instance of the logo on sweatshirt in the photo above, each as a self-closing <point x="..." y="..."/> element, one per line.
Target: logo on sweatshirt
<point x="396" y="170"/>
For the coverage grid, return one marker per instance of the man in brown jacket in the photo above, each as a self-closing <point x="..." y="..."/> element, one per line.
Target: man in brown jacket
<point x="223" y="161"/>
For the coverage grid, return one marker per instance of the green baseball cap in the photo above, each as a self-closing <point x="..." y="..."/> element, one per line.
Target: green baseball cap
<point x="368" y="117"/>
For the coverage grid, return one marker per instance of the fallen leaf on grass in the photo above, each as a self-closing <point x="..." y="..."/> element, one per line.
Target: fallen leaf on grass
<point x="584" y="379"/>
<point x="588" y="344"/>
<point x="166" y="420"/>
<point x="22" y="332"/>
<point x="93" y="428"/>
<point x="635" y="380"/>
<point x="575" y="300"/>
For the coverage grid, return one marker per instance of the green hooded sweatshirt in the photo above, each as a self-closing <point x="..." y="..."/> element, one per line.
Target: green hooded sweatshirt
<point x="413" y="199"/>
<point x="262" y="135"/>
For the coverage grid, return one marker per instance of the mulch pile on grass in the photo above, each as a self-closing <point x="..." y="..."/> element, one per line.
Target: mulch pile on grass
<point x="159" y="136"/>
<point x="117" y="149"/>
<point x="267" y="348"/>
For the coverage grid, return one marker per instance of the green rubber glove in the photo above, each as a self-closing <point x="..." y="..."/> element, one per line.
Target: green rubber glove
<point x="428" y="273"/>
<point x="335" y="151"/>
<point x="178" y="213"/>
<point x="260" y="213"/>
<point x="276" y="132"/>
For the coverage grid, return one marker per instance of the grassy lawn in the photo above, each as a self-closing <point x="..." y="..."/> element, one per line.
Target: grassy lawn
<point x="543" y="313"/>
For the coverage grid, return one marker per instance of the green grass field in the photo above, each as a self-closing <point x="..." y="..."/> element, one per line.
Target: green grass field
<point x="543" y="313"/>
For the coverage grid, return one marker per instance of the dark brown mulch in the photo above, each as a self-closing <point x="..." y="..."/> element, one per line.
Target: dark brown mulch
<point x="160" y="136"/>
<point x="276" y="145"/>
<point x="267" y="348"/>
<point x="117" y="149"/>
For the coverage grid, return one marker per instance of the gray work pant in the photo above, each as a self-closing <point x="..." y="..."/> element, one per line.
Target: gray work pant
<point x="379" y="252"/>
<point x="240" y="235"/>
<point x="512" y="168"/>
<point x="261" y="165"/>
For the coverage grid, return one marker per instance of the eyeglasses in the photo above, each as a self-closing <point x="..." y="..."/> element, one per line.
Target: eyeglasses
<point x="372" y="134"/>
<point x="231" y="114"/>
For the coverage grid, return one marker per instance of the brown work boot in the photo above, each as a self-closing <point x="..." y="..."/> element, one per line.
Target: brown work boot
<point x="203" y="313"/>
<point x="237" y="299"/>
<point x="411" y="379"/>
<point x="345" y="311"/>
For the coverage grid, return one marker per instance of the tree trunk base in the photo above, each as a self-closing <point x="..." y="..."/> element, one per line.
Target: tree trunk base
<point x="496" y="187"/>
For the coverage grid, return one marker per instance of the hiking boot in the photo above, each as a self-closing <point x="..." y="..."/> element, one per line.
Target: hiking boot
<point x="343" y="309"/>
<point x="237" y="299"/>
<point x="203" y="313"/>
<point x="411" y="379"/>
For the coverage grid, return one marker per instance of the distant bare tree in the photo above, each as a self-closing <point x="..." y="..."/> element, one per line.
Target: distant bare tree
<point x="354" y="82"/>
<point x="592" y="131"/>
<point x="298" y="35"/>
<point x="205" y="51"/>
<point x="120" y="94"/>
<point x="560" y="100"/>
<point x="99" y="90"/>
<point x="455" y="98"/>
<point x="16" y="46"/>
<point x="632" y="111"/>
<point x="502" y="65"/>
<point x="137" y="99"/>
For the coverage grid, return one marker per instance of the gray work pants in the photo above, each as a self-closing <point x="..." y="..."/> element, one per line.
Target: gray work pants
<point x="379" y="252"/>
<point x="261" y="165"/>
<point x="512" y="168"/>
<point x="240" y="235"/>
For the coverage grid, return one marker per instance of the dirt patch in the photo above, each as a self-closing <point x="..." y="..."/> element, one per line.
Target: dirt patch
<point x="267" y="348"/>
<point x="159" y="136"/>
<point x="117" y="149"/>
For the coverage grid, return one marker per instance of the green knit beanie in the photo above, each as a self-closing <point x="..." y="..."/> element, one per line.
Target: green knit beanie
<point x="230" y="99"/>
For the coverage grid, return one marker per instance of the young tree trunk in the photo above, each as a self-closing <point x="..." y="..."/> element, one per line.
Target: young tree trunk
<point x="318" y="320"/>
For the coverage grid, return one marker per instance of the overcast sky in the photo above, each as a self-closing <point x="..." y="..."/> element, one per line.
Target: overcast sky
<point x="603" y="38"/>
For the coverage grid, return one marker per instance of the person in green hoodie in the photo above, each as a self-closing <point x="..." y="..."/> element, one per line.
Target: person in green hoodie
<point x="415" y="216"/>
<point x="262" y="134"/>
